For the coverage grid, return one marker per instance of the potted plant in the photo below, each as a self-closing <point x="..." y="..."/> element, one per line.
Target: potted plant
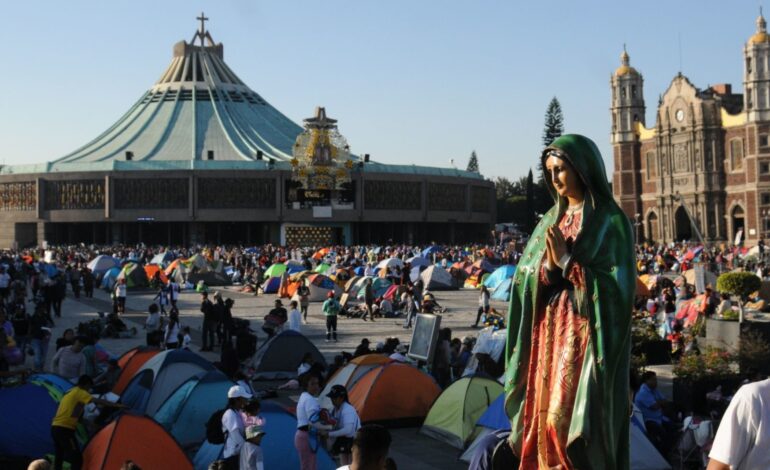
<point x="697" y="374"/>
<point x="740" y="284"/>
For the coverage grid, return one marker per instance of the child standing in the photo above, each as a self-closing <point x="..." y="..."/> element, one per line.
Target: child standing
<point x="186" y="339"/>
<point x="251" y="452"/>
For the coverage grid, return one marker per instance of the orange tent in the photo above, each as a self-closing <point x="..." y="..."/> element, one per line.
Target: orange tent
<point x="171" y="267"/>
<point x="137" y="438"/>
<point x="378" y="396"/>
<point x="320" y="253"/>
<point x="151" y="269"/>
<point x="130" y="362"/>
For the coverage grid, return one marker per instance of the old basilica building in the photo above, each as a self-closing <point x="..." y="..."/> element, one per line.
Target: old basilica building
<point x="702" y="170"/>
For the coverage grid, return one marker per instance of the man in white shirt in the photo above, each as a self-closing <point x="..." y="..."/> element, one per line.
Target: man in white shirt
<point x="743" y="438"/>
<point x="295" y="316"/>
<point x="232" y="423"/>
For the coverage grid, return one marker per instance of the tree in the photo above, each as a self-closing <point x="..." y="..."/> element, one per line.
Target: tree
<point x="554" y="122"/>
<point x="530" y="193"/>
<point x="740" y="284"/>
<point x="473" y="163"/>
<point x="504" y="188"/>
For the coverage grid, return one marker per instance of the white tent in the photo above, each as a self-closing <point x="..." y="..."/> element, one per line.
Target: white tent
<point x="437" y="278"/>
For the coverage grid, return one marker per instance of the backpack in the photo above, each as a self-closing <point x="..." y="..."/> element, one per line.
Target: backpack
<point x="214" y="433"/>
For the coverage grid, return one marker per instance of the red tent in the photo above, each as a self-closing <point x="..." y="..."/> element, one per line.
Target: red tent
<point x="129" y="363"/>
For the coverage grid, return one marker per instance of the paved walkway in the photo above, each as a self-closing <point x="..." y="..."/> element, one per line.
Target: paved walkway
<point x="410" y="449"/>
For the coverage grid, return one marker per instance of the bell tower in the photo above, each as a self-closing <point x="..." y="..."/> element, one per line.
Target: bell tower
<point x="627" y="101"/>
<point x="627" y="110"/>
<point x="756" y="76"/>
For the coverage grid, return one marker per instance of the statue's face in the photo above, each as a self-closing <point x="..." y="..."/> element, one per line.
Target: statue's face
<point x="563" y="177"/>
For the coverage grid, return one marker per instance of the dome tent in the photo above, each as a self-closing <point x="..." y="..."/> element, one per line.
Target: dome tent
<point x="157" y="379"/>
<point x="452" y="418"/>
<point x="129" y="363"/>
<point x="279" y="357"/>
<point x="394" y="393"/>
<point x="437" y="278"/>
<point x="185" y="412"/>
<point x="501" y="274"/>
<point x="135" y="438"/>
<point x="350" y="373"/>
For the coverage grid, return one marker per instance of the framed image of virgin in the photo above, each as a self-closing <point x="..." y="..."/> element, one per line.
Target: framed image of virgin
<point x="424" y="337"/>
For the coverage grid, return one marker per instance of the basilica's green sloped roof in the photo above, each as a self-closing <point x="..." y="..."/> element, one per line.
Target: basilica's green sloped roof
<point x="199" y="115"/>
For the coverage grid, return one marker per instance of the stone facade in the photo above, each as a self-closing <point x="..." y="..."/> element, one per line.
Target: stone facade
<point x="702" y="171"/>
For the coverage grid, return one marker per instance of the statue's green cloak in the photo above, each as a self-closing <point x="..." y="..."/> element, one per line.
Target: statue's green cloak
<point x="598" y="432"/>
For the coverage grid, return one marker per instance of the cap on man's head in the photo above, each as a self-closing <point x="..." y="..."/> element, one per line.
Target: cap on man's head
<point x="330" y="295"/>
<point x="237" y="391"/>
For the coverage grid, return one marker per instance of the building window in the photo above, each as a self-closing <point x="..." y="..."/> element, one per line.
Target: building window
<point x="764" y="168"/>
<point x="765" y="199"/>
<point x="748" y="64"/>
<point x="749" y="101"/>
<point x="736" y="154"/>
<point x="623" y="92"/>
<point x="763" y="140"/>
<point x="633" y="91"/>
<point x="652" y="166"/>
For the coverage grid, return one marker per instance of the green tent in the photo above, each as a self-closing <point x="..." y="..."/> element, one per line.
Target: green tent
<point x="322" y="268"/>
<point x="275" y="270"/>
<point x="452" y="418"/>
<point x="134" y="275"/>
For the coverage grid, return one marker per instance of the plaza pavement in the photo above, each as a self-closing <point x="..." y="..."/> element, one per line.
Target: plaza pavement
<point x="410" y="449"/>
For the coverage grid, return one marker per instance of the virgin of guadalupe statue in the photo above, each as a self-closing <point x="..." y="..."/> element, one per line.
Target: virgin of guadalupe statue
<point x="567" y="356"/>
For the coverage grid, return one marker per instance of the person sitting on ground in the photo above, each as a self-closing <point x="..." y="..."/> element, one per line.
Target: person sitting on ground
<point x="651" y="402"/>
<point x="67" y="338"/>
<point x="306" y="364"/>
<point x="725" y="306"/>
<point x="275" y="319"/>
<point x="400" y="354"/>
<point x="363" y="348"/>
<point x="370" y="449"/>
<point x="386" y="308"/>
<point x="69" y="361"/>
<point x="186" y="338"/>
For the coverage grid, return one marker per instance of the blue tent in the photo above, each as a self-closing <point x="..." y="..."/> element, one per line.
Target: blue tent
<point x="53" y="382"/>
<point x="501" y="274"/>
<point x="110" y="278"/>
<point x="163" y="259"/>
<point x="495" y="417"/>
<point x="294" y="268"/>
<point x="159" y="377"/>
<point x="430" y="250"/>
<point x="26" y="413"/>
<point x="359" y="271"/>
<point x="184" y="414"/>
<point x="271" y="285"/>
<point x="277" y="445"/>
<point x="503" y="290"/>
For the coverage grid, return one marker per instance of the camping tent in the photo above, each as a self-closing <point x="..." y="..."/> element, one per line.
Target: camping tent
<point x="452" y="418"/>
<point x="271" y="285"/>
<point x="322" y="268"/>
<point x="151" y="269"/>
<point x="134" y="275"/>
<point x="26" y="413"/>
<point x="162" y="259"/>
<point x="274" y="271"/>
<point x="135" y="438"/>
<point x="110" y="278"/>
<point x="503" y="290"/>
<point x="390" y="263"/>
<point x="437" y="278"/>
<point x="350" y="373"/>
<point x="157" y="379"/>
<point x="379" y="286"/>
<point x="501" y="274"/>
<point x="101" y="264"/>
<point x="185" y="412"/>
<point x="643" y="455"/>
<point x="394" y="393"/>
<point x="320" y="285"/>
<point x="277" y="445"/>
<point x="129" y="363"/>
<point x="416" y="261"/>
<point x="209" y="277"/>
<point x="54" y="383"/>
<point x="427" y="252"/>
<point x="279" y="357"/>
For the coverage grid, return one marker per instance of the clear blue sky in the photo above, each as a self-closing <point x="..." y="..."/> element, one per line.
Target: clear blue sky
<point x="410" y="81"/>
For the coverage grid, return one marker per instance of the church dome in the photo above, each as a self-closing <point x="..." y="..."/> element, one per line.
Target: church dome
<point x="625" y="68"/>
<point x="761" y="36"/>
